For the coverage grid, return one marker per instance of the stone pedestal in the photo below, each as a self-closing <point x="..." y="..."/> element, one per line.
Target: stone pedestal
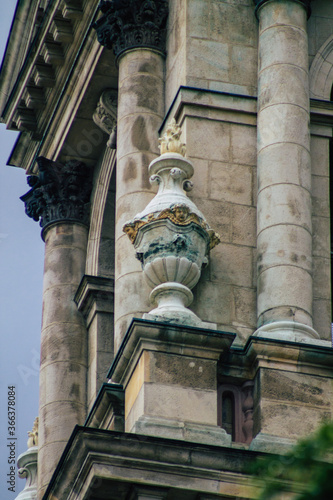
<point x="169" y="376"/>
<point x="284" y="232"/>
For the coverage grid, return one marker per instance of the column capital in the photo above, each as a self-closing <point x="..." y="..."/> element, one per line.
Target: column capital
<point x="305" y="3"/>
<point x="129" y="24"/>
<point x="59" y="193"/>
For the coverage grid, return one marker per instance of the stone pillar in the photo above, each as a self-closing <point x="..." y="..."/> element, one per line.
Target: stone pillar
<point x="284" y="238"/>
<point x="59" y="197"/>
<point x="136" y="33"/>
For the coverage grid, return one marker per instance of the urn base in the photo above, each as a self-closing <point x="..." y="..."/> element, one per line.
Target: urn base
<point x="172" y="300"/>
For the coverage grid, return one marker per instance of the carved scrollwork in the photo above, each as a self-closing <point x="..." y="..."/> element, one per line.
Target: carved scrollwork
<point x="155" y="179"/>
<point x="127" y="24"/>
<point x="105" y="115"/>
<point x="59" y="192"/>
<point x="180" y="215"/>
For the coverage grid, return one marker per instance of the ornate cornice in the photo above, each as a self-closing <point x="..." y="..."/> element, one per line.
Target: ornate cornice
<point x="59" y="193"/>
<point x="128" y="24"/>
<point x="305" y="3"/>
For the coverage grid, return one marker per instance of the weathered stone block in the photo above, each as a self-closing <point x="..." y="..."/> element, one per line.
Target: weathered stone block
<point x="244" y="225"/>
<point x="231" y="182"/>
<point x="209" y="140"/>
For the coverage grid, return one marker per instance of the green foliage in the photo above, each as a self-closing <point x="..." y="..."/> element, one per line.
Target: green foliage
<point x="307" y="470"/>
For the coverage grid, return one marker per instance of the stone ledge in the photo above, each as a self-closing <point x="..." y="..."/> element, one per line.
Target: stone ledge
<point x="94" y="295"/>
<point x="153" y="335"/>
<point x="99" y="461"/>
<point x="109" y="409"/>
<point x="187" y="431"/>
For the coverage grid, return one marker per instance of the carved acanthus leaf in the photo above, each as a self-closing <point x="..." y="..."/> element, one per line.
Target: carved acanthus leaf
<point x="127" y="24"/>
<point x="59" y="192"/>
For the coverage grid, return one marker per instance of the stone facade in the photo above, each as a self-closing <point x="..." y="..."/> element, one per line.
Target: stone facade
<point x="246" y="367"/>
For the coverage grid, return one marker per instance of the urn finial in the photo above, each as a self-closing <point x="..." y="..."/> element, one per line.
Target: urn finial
<point x="171" y="236"/>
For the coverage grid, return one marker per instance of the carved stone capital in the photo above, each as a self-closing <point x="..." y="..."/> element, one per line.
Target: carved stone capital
<point x="128" y="24"/>
<point x="59" y="193"/>
<point x="105" y="115"/>
<point x="306" y="3"/>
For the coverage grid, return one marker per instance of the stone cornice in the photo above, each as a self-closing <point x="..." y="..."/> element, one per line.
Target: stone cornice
<point x="94" y="454"/>
<point x="110" y="403"/>
<point x="314" y="357"/>
<point x="305" y="3"/>
<point x="94" y="294"/>
<point x="59" y="193"/>
<point x="143" y="334"/>
<point x="130" y="24"/>
<point x="34" y="92"/>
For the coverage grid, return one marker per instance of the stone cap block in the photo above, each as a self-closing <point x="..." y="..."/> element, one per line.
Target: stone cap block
<point x="109" y="404"/>
<point x="181" y="339"/>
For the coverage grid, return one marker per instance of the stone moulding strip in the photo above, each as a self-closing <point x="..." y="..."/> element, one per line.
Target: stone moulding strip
<point x="90" y="452"/>
<point x="212" y="342"/>
<point x="110" y="397"/>
<point x="203" y="101"/>
<point x="305" y="3"/>
<point x="258" y="352"/>
<point x="94" y="294"/>
<point x="235" y="108"/>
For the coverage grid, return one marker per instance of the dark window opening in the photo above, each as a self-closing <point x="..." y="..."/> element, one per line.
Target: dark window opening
<point x="228" y="413"/>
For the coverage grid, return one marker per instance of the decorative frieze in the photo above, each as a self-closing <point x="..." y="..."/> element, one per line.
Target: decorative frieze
<point x="59" y="193"/>
<point x="129" y="24"/>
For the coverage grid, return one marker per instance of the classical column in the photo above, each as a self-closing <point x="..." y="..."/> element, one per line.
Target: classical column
<point x="59" y="198"/>
<point x="136" y="31"/>
<point x="284" y="238"/>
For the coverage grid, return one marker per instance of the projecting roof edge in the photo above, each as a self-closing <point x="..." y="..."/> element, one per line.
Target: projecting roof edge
<point x="16" y="52"/>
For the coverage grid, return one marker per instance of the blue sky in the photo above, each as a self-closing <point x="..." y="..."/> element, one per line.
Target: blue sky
<point x="21" y="275"/>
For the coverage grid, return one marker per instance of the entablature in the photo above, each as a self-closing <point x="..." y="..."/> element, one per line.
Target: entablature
<point x="52" y="80"/>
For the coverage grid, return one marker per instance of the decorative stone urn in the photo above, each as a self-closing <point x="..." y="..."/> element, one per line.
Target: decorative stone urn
<point x="171" y="236"/>
<point x="27" y="464"/>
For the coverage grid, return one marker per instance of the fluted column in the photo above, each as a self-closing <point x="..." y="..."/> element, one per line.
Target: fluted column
<point x="59" y="198"/>
<point x="284" y="237"/>
<point x="136" y="32"/>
